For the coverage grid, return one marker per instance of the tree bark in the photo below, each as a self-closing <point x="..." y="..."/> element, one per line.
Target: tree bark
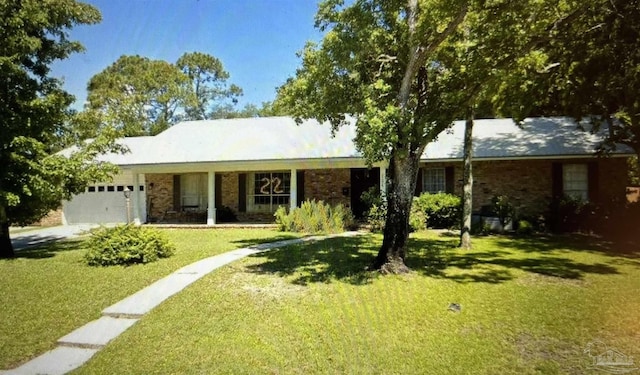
<point x="6" y="248"/>
<point x="403" y="173"/>
<point x="467" y="180"/>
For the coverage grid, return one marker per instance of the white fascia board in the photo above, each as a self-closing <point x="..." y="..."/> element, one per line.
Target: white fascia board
<point x="250" y="166"/>
<point x="541" y="157"/>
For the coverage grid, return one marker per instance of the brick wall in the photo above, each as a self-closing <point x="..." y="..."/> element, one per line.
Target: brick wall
<point x="529" y="182"/>
<point x="159" y="194"/>
<point x="327" y="185"/>
<point x="53" y="218"/>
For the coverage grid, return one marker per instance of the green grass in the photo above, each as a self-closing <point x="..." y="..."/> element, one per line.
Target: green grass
<point x="47" y="292"/>
<point x="528" y="306"/>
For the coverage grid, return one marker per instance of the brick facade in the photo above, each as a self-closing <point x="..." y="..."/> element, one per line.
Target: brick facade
<point x="53" y="218"/>
<point x="529" y="182"/>
<point x="328" y="185"/>
<point x="159" y="195"/>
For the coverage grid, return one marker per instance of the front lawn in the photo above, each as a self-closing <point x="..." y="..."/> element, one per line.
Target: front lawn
<point x="527" y="306"/>
<point x="47" y="292"/>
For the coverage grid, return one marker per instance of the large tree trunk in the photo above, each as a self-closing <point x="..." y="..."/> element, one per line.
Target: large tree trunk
<point x="467" y="187"/>
<point x="403" y="172"/>
<point x="6" y="248"/>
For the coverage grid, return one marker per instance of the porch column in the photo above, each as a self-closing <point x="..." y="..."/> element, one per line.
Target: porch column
<point x="383" y="180"/>
<point x="293" y="189"/>
<point x="211" y="198"/>
<point x="135" y="199"/>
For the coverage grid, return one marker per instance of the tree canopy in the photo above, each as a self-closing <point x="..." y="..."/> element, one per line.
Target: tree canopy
<point x="141" y="96"/>
<point x="406" y="70"/>
<point x="34" y="178"/>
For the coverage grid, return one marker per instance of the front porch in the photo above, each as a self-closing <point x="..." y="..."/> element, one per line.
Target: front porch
<point x="241" y="198"/>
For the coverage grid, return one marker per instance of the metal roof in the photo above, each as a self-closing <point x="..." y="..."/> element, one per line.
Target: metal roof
<point x="280" y="138"/>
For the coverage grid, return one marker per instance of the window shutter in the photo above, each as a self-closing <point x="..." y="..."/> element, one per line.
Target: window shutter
<point x="218" y="197"/>
<point x="556" y="181"/>
<point x="242" y="192"/>
<point x="176" y="193"/>
<point x="300" y="187"/>
<point x="419" y="183"/>
<point x="593" y="178"/>
<point x="449" y="181"/>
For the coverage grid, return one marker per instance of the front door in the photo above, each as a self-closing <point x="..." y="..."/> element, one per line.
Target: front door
<point x="362" y="179"/>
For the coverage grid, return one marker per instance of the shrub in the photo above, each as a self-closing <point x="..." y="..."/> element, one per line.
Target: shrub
<point x="417" y="218"/>
<point x="503" y="209"/>
<point x="314" y="217"/>
<point x="525" y="228"/>
<point x="441" y="210"/>
<point x="376" y="217"/>
<point x="126" y="244"/>
<point x="225" y="214"/>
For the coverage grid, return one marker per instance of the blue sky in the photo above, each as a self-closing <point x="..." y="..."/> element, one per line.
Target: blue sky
<point x="256" y="40"/>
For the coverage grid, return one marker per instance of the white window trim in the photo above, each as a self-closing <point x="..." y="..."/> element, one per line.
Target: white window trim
<point x="575" y="181"/>
<point x="425" y="183"/>
<point x="271" y="207"/>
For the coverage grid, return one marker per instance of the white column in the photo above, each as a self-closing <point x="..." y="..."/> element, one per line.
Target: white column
<point x="383" y="180"/>
<point x="211" y="198"/>
<point x="142" y="201"/>
<point x="135" y="199"/>
<point x="293" y="189"/>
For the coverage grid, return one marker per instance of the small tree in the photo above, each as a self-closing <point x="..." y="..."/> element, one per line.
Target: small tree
<point x="34" y="178"/>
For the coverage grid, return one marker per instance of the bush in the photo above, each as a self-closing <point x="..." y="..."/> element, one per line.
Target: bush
<point x="125" y="245"/>
<point x="525" y="228"/>
<point x="417" y="218"/>
<point x="441" y="210"/>
<point x="225" y="214"/>
<point x="314" y="217"/>
<point x="503" y="209"/>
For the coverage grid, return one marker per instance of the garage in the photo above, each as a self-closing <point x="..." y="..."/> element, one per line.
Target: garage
<point x="103" y="203"/>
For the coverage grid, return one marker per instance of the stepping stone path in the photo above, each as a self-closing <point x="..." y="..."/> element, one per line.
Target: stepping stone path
<point x="79" y="346"/>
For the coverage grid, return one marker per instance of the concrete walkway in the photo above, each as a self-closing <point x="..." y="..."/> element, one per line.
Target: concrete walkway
<point x="23" y="240"/>
<point x="79" y="346"/>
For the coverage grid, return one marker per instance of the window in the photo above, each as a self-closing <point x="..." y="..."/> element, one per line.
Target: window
<point x="433" y="180"/>
<point x="269" y="190"/>
<point x="575" y="181"/>
<point x="193" y="191"/>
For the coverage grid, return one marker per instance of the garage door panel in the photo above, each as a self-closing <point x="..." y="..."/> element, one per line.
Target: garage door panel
<point x="96" y="207"/>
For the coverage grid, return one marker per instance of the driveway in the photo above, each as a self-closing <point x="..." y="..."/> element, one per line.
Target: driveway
<point x="35" y="237"/>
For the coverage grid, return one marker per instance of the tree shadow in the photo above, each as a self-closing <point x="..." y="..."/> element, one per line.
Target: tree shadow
<point x="339" y="258"/>
<point x="347" y="259"/>
<point x="441" y="258"/>
<point x="246" y="242"/>
<point x="48" y="249"/>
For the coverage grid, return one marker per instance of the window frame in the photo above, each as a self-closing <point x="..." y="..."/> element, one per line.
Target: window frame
<point x="575" y="181"/>
<point x="261" y="200"/>
<point x="441" y="174"/>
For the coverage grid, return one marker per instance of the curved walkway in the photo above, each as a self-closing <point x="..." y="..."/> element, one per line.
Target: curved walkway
<point x="79" y="346"/>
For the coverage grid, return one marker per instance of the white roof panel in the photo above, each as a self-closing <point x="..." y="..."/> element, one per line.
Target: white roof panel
<point x="278" y="138"/>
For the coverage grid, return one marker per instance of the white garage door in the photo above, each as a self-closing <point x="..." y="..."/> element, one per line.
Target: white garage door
<point x="103" y="203"/>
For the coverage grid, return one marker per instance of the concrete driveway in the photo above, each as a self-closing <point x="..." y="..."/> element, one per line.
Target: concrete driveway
<point x="35" y="237"/>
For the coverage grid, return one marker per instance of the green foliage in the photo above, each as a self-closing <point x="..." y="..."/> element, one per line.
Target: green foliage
<point x="208" y="88"/>
<point x="34" y="112"/>
<point x="141" y="96"/>
<point x="503" y="208"/>
<point x="525" y="228"/>
<point x="418" y="218"/>
<point x="314" y="217"/>
<point x="126" y="245"/>
<point x="376" y="217"/>
<point x="586" y="81"/>
<point x="441" y="210"/>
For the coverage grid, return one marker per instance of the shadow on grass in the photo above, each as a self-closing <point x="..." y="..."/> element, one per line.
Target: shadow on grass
<point x="246" y="242"/>
<point x="346" y="260"/>
<point x="49" y="249"/>
<point x="341" y="258"/>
